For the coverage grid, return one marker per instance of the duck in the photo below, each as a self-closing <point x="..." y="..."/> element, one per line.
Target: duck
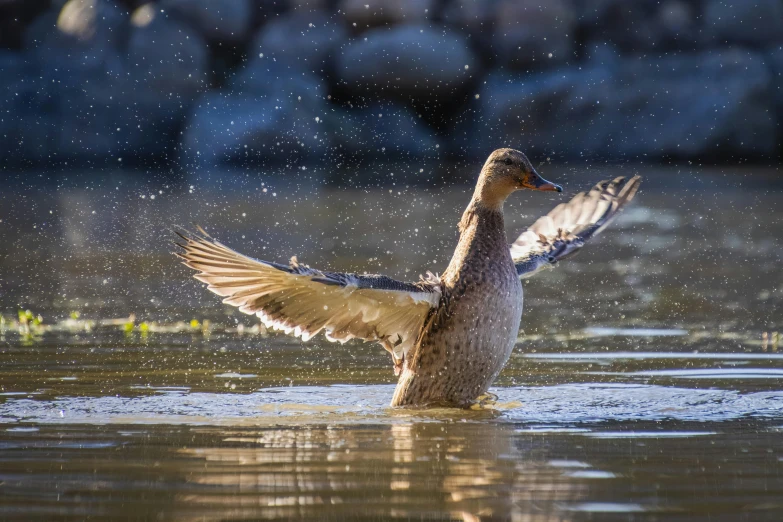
<point x="449" y="335"/>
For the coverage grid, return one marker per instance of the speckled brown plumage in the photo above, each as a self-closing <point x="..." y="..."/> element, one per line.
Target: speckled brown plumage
<point x="467" y="340"/>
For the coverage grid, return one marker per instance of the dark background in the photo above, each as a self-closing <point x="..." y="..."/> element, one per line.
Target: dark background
<point x="193" y="84"/>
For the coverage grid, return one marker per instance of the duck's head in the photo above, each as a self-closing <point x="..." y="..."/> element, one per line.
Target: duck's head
<point x="508" y="170"/>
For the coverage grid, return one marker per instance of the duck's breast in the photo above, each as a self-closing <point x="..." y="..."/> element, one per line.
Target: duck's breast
<point x="468" y="341"/>
<point x="485" y="323"/>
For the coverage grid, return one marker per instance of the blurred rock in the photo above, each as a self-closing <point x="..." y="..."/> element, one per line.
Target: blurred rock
<point x="677" y="24"/>
<point x="677" y="16"/>
<point x="306" y="6"/>
<point x="25" y="131"/>
<point x="79" y="118"/>
<point x="640" y="25"/>
<point x="599" y="52"/>
<point x="530" y="32"/>
<point x="307" y="39"/>
<point x="218" y="20"/>
<point x="710" y="105"/>
<point x="477" y="19"/>
<point x="73" y="53"/>
<point x="94" y="82"/>
<point x="78" y="33"/>
<point x="267" y="77"/>
<point x="168" y="67"/>
<point x="270" y="112"/>
<point x="741" y="21"/>
<point x="167" y="56"/>
<point x="363" y="14"/>
<point x="97" y="88"/>
<point x="775" y="61"/>
<point x="389" y="130"/>
<point x="707" y="105"/>
<point x="624" y="23"/>
<point x="15" y="15"/>
<point x="409" y="60"/>
<point x="471" y="16"/>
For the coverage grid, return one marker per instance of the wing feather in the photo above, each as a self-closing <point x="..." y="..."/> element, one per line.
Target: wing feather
<point x="568" y="226"/>
<point x="304" y="301"/>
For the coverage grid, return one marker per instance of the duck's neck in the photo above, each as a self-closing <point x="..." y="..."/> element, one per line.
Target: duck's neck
<point x="482" y="240"/>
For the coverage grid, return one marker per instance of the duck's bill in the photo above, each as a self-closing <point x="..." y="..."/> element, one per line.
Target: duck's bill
<point x="536" y="182"/>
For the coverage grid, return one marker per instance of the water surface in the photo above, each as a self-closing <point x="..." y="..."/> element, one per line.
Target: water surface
<point x="647" y="383"/>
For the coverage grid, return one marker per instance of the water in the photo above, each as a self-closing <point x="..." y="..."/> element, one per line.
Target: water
<point x="647" y="383"/>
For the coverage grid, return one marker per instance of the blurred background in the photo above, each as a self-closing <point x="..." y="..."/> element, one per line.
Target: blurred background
<point x="193" y="84"/>
<point x="646" y="382"/>
<point x="350" y="132"/>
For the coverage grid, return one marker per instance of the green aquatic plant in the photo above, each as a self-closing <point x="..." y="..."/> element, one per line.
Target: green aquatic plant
<point x="26" y="317"/>
<point x="144" y="329"/>
<point x="30" y="326"/>
<point x="129" y="324"/>
<point x="203" y="327"/>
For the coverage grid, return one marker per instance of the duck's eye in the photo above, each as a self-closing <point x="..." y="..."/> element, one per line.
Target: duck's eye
<point x="508" y="161"/>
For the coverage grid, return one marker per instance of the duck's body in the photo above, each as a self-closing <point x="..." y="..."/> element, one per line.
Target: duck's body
<point x="467" y="340"/>
<point x="450" y="336"/>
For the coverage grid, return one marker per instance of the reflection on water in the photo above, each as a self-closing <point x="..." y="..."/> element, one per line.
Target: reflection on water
<point x="292" y="472"/>
<point x="481" y="469"/>
<point x="647" y="382"/>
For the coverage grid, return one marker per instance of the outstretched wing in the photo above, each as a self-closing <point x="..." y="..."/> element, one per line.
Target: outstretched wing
<point x="304" y="301"/>
<point x="565" y="229"/>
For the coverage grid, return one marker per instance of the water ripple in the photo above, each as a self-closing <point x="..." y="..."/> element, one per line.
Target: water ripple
<point x="554" y="406"/>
